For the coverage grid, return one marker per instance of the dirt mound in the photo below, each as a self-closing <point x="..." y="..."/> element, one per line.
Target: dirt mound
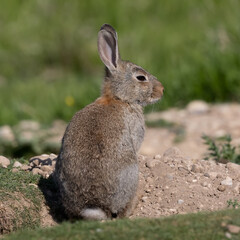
<point x="169" y="184"/>
<point x="175" y="184"/>
<point x="176" y="180"/>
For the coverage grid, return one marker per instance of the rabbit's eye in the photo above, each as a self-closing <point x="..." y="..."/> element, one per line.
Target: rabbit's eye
<point x="141" y="78"/>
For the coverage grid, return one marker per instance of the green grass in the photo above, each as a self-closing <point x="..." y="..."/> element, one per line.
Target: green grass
<point x="48" y="51"/>
<point x="187" y="227"/>
<point x="221" y="149"/>
<point x="20" y="200"/>
<point x="44" y="100"/>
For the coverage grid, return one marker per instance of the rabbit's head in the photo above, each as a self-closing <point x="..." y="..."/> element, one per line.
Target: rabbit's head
<point x="125" y="80"/>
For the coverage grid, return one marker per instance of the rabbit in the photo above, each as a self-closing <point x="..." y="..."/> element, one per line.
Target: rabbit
<point x="97" y="167"/>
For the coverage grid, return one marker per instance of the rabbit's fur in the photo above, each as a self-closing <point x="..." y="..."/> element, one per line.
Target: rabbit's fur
<point x="97" y="168"/>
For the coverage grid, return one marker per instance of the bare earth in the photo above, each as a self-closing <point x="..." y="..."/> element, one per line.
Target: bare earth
<point x="174" y="178"/>
<point x="179" y="180"/>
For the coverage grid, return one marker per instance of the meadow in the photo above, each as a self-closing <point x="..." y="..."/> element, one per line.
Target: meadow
<point x="50" y="68"/>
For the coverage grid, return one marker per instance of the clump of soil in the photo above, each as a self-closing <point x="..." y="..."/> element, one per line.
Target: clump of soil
<point x="17" y="211"/>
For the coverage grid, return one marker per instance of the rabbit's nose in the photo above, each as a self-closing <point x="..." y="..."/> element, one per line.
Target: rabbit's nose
<point x="162" y="90"/>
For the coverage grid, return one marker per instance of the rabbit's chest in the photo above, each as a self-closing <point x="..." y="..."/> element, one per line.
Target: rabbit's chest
<point x="136" y="126"/>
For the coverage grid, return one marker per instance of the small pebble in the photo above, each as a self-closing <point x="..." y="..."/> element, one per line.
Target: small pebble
<point x="14" y="170"/>
<point x="180" y="201"/>
<point x="4" y="162"/>
<point x="227" y="182"/>
<point x="17" y="164"/>
<point x="36" y="171"/>
<point x="144" y="199"/>
<point x="25" y="167"/>
<point x="206" y="175"/>
<point x="228" y="235"/>
<point x="204" y="184"/>
<point x="158" y="156"/>
<point x="35" y="162"/>
<point x="221" y="188"/>
<point x="233" y="229"/>
<point x="152" y="163"/>
<point x="213" y="175"/>
<point x="46" y="168"/>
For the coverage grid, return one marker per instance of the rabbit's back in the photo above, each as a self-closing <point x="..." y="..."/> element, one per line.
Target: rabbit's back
<point x="97" y="165"/>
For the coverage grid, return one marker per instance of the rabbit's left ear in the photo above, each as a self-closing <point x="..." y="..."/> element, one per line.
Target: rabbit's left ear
<point x="108" y="46"/>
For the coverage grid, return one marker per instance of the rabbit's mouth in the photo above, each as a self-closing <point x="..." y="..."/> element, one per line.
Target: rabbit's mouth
<point x="149" y="101"/>
<point x="153" y="100"/>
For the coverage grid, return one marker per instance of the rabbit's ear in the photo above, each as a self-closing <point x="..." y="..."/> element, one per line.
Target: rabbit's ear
<point x="108" y="46"/>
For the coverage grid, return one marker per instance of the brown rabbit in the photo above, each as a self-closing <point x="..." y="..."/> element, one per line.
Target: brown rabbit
<point x="97" y="168"/>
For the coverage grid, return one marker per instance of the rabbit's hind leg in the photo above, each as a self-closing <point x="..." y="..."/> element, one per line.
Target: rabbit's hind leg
<point x="129" y="209"/>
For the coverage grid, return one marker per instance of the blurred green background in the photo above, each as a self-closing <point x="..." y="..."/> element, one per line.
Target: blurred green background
<point x="49" y="65"/>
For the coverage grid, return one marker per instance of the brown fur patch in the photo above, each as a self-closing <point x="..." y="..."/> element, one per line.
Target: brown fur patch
<point x="105" y="100"/>
<point x="107" y="97"/>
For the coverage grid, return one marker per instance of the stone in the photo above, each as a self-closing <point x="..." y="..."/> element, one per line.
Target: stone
<point x="25" y="167"/>
<point x="221" y="188"/>
<point x="227" y="181"/>
<point x="53" y="143"/>
<point x="180" y="201"/>
<point x="236" y="189"/>
<point x="53" y="163"/>
<point x="17" y="164"/>
<point x="28" y="125"/>
<point x="46" y="168"/>
<point x="196" y="168"/>
<point x="204" y="184"/>
<point x="45" y="155"/>
<point x="206" y="175"/>
<point x="213" y="175"/>
<point x="233" y="229"/>
<point x="53" y="156"/>
<point x="45" y="175"/>
<point x="198" y="107"/>
<point x="14" y="170"/>
<point x="43" y="159"/>
<point x="228" y="235"/>
<point x="6" y="134"/>
<point x="171" y="152"/>
<point x="169" y="176"/>
<point x="171" y="155"/>
<point x="35" y="162"/>
<point x="152" y="163"/>
<point x="26" y="137"/>
<point x="158" y="156"/>
<point x="144" y="199"/>
<point x="4" y="162"/>
<point x="36" y="171"/>
<point x="148" y="190"/>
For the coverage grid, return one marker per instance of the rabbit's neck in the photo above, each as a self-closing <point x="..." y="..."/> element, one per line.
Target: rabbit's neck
<point x="135" y="121"/>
